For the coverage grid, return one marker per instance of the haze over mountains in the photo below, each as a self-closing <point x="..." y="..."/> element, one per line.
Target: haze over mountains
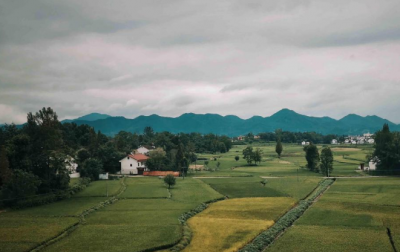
<point x="285" y="119"/>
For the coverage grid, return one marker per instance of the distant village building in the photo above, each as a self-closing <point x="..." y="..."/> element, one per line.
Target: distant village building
<point x="72" y="166"/>
<point x="334" y="141"/>
<point x="256" y="137"/>
<point x="241" y="138"/>
<point x="103" y="176"/>
<point x="305" y="143"/>
<point x="371" y="141"/>
<point x="134" y="164"/>
<point x="144" y="149"/>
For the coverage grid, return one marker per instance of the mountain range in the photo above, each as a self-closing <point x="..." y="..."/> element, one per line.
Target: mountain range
<point x="230" y="125"/>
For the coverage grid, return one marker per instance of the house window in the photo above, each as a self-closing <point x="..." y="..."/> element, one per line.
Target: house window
<point x="131" y="165"/>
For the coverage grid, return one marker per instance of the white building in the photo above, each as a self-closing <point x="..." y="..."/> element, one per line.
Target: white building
<point x="334" y="141"/>
<point x="133" y="164"/>
<point x="372" y="165"/>
<point x="371" y="141"/>
<point x="305" y="143"/>
<point x="145" y="149"/>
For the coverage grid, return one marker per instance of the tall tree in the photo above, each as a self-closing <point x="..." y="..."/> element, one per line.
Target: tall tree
<point x="5" y="172"/>
<point x="278" y="147"/>
<point x="248" y="154"/>
<point x="387" y="149"/>
<point x="326" y="161"/>
<point x="312" y="157"/>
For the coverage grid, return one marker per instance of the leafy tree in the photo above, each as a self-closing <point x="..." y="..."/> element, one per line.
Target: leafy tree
<point x="278" y="147"/>
<point x="82" y="154"/>
<point x="5" y="171"/>
<point x="21" y="186"/>
<point x="387" y="149"/>
<point x="248" y="154"/>
<point x="237" y="158"/>
<point x="312" y="157"/>
<point x="264" y="182"/>
<point x="218" y="164"/>
<point x="157" y="158"/>
<point x="91" y="169"/>
<point x="110" y="157"/>
<point x="148" y="132"/>
<point x="257" y="155"/>
<point x="206" y="163"/>
<point x="169" y="180"/>
<point x="326" y="161"/>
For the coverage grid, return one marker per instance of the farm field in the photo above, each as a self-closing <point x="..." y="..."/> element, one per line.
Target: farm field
<point x="353" y="214"/>
<point x="145" y="216"/>
<point x="230" y="224"/>
<point x="141" y="223"/>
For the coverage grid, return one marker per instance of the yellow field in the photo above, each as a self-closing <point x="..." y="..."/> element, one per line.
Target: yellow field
<point x="230" y="224"/>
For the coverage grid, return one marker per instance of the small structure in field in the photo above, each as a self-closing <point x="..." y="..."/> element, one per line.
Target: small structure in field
<point x="372" y="165"/>
<point x="133" y="164"/>
<point x="103" y="176"/>
<point x="334" y="141"/>
<point x="304" y="143"/>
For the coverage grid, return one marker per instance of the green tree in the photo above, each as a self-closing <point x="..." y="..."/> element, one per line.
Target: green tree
<point x="237" y="158"/>
<point x="278" y="147"/>
<point x="257" y="155"/>
<point x="169" y="180"/>
<point x="5" y="171"/>
<point x="91" y="169"/>
<point x="312" y="157"/>
<point x="22" y="185"/>
<point x="326" y="161"/>
<point x="387" y="149"/>
<point x="248" y="154"/>
<point x="157" y="158"/>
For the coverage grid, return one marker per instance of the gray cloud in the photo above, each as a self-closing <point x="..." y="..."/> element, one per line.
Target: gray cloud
<point x="229" y="57"/>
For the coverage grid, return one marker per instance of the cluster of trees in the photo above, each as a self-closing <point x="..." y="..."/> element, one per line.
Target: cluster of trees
<point x="37" y="156"/>
<point x="319" y="163"/>
<point x="252" y="155"/>
<point x="298" y="137"/>
<point x="387" y="150"/>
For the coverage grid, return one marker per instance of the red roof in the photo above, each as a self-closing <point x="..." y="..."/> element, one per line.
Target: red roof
<point x="138" y="157"/>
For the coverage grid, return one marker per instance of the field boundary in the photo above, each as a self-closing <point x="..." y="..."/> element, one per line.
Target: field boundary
<point x="81" y="221"/>
<point x="266" y="238"/>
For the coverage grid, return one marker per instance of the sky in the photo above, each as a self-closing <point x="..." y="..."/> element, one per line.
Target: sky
<point x="229" y="57"/>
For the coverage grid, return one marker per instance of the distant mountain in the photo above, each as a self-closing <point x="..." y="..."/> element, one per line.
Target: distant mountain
<point x="90" y="117"/>
<point x="230" y="125"/>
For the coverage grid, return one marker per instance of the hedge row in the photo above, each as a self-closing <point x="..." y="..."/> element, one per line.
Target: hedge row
<point x="50" y="197"/>
<point x="268" y="236"/>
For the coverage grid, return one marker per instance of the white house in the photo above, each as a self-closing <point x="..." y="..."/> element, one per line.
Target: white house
<point x="133" y="164"/>
<point x="334" y="141"/>
<point x="371" y="141"/>
<point x="372" y="165"/>
<point x="305" y="143"/>
<point x="144" y="149"/>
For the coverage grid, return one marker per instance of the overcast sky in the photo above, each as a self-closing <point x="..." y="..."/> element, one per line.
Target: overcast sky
<point x="253" y="57"/>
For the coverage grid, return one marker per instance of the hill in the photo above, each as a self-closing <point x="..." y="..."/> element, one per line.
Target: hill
<point x="287" y="120"/>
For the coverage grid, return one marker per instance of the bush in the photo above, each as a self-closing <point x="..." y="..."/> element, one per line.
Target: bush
<point x="22" y="185"/>
<point x="169" y="180"/>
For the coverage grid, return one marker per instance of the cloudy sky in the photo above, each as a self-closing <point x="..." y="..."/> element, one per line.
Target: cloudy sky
<point x="253" y="57"/>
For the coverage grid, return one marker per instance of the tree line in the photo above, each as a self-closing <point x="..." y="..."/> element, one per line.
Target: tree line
<point x="35" y="159"/>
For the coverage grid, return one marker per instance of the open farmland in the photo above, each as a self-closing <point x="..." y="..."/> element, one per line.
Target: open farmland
<point x="145" y="215"/>
<point x="230" y="224"/>
<point x="354" y="214"/>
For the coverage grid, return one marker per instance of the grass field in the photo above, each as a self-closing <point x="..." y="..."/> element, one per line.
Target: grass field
<point x="352" y="216"/>
<point x="146" y="214"/>
<point x="137" y="224"/>
<point x="230" y="224"/>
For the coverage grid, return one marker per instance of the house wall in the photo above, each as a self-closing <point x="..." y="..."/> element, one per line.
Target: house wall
<point x="142" y="150"/>
<point x="129" y="166"/>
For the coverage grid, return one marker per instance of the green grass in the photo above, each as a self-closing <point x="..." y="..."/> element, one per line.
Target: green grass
<point x="22" y="233"/>
<point x="148" y="187"/>
<point x="134" y="224"/>
<point x="352" y="216"/>
<point x="100" y="188"/>
<point x="275" y="187"/>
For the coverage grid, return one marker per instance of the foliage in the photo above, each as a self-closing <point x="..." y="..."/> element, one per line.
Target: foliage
<point x="252" y="156"/>
<point x="22" y="185"/>
<point x="158" y="160"/>
<point x="326" y="161"/>
<point x="312" y="157"/>
<point x="279" y="148"/>
<point x="5" y="171"/>
<point x="237" y="158"/>
<point x="387" y="149"/>
<point x="91" y="168"/>
<point x="169" y="180"/>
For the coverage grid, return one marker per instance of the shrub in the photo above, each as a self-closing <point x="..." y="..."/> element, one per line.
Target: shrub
<point x="91" y="169"/>
<point x="169" y="180"/>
